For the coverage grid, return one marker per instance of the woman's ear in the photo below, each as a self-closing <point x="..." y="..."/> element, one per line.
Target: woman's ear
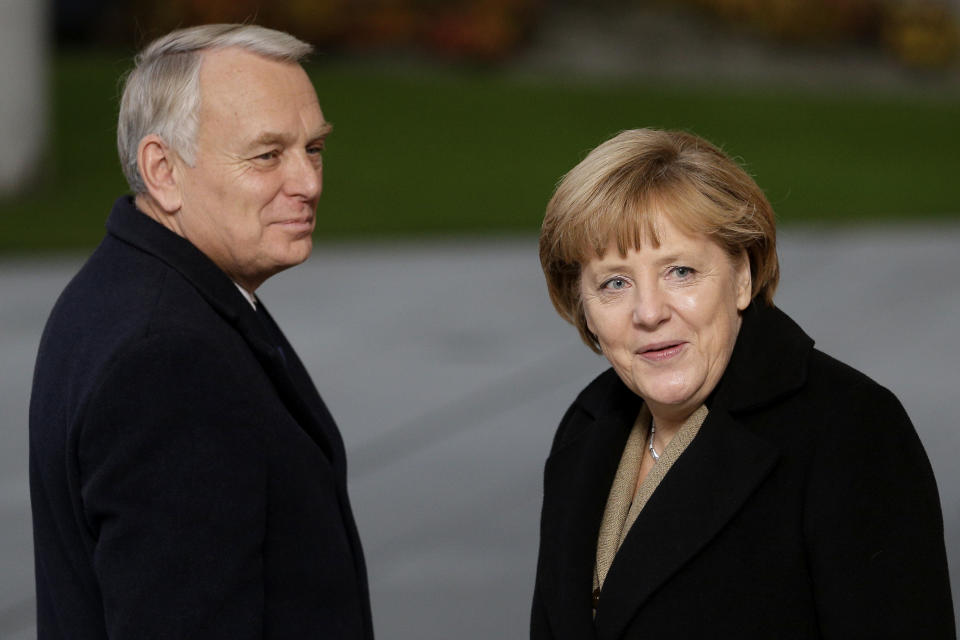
<point x="582" y="309"/>
<point x="157" y="164"/>
<point x="743" y="281"/>
<point x="588" y="322"/>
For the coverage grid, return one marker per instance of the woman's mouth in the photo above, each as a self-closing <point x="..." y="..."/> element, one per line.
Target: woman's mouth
<point x="661" y="351"/>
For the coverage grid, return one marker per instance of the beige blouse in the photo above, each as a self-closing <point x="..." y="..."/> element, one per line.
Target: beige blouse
<point x="623" y="505"/>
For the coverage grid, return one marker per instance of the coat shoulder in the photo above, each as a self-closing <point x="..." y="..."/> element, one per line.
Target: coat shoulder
<point x="598" y="390"/>
<point x="122" y="308"/>
<point x="603" y="393"/>
<point x="840" y="390"/>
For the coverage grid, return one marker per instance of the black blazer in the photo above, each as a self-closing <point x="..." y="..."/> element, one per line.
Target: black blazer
<point x="187" y="480"/>
<point x="804" y="508"/>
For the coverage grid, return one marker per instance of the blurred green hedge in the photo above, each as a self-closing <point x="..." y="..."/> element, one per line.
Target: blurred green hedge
<point x="441" y="151"/>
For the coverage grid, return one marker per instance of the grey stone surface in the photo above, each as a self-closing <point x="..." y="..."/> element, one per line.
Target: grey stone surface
<point x="447" y="370"/>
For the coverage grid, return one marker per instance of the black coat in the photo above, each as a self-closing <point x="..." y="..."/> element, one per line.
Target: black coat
<point x="187" y="480"/>
<point x="804" y="508"/>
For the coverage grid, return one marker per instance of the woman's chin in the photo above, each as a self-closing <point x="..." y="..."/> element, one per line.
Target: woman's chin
<point x="671" y="399"/>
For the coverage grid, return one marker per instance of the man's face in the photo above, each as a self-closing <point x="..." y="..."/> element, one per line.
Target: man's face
<point x="249" y="202"/>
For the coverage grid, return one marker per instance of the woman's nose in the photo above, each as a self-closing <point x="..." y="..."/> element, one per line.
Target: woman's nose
<point x="650" y="306"/>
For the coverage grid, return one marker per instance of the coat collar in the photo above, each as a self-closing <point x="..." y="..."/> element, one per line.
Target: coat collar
<point x="134" y="227"/>
<point x="769" y="360"/>
<point x="291" y="380"/>
<point x="704" y="489"/>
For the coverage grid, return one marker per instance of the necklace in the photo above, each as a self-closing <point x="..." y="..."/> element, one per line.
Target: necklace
<point x="653" y="452"/>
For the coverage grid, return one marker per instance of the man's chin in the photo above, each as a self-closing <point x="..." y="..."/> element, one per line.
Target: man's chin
<point x="298" y="251"/>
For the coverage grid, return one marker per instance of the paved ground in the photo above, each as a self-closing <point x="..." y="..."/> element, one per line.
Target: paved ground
<point x="448" y="370"/>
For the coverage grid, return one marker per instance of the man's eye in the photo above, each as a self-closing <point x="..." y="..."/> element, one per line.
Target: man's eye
<point x="269" y="155"/>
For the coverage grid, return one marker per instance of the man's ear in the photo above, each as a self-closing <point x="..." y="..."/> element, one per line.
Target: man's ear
<point x="157" y="164"/>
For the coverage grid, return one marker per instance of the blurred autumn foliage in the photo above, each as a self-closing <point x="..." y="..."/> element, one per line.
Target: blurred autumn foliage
<point x="920" y="33"/>
<point x="486" y="30"/>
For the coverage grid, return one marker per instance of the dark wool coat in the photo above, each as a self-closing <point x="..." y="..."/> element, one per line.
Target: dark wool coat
<point x="804" y="508"/>
<point x="187" y="480"/>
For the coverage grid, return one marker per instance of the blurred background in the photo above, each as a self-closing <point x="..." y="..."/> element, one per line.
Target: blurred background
<point x="462" y="114"/>
<point x="453" y="122"/>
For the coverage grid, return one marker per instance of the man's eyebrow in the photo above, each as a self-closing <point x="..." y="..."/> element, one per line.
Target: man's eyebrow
<point x="268" y="138"/>
<point x="323" y="131"/>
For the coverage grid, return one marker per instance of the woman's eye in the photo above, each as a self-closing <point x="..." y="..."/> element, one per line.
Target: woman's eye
<point x="682" y="272"/>
<point x="615" y="284"/>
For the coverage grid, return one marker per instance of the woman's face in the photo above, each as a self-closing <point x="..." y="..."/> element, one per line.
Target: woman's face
<point x="667" y="316"/>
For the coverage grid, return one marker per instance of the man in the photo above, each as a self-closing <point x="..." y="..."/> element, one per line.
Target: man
<point x="187" y="480"/>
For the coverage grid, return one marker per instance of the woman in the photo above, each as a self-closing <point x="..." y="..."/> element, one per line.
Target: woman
<point x="724" y="479"/>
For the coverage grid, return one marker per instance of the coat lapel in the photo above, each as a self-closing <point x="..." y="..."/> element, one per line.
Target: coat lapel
<point x="578" y="475"/>
<point x="703" y="490"/>
<point x="301" y="398"/>
<point x="292" y="383"/>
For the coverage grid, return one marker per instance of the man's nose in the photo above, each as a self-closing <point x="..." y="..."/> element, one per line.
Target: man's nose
<point x="304" y="176"/>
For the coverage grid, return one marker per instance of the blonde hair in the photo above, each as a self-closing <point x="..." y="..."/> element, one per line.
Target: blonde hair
<point x="621" y="190"/>
<point x="161" y="93"/>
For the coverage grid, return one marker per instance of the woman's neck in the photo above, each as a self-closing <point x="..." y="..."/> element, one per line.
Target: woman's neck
<point x="666" y="427"/>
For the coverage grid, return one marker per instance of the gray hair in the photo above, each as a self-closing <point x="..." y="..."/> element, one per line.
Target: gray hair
<point x="161" y="93"/>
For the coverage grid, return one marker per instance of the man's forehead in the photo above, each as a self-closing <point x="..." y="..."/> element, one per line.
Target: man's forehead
<point x="237" y="60"/>
<point x="239" y="73"/>
<point x="237" y="84"/>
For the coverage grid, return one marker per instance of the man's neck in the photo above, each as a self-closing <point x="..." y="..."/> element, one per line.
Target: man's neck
<point x="152" y="209"/>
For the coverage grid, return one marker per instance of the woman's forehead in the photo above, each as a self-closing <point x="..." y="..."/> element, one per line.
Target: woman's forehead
<point x="636" y="230"/>
<point x="650" y="233"/>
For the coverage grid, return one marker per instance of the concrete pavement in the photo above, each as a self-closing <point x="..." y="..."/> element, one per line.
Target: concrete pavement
<point x="448" y="370"/>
